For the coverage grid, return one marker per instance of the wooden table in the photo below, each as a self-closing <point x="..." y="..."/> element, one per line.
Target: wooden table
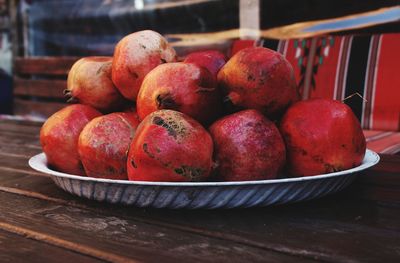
<point x="41" y="223"/>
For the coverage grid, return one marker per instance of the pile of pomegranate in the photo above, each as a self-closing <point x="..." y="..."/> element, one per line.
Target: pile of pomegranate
<point x="142" y="115"/>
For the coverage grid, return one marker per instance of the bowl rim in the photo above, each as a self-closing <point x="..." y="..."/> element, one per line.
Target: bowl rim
<point x="38" y="162"/>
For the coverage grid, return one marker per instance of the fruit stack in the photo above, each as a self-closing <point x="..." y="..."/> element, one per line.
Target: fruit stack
<point x="142" y="115"/>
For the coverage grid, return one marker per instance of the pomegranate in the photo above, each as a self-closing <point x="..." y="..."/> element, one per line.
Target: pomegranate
<point x="59" y="137"/>
<point x="248" y="146"/>
<point x="103" y="145"/>
<point x="187" y="88"/>
<point x="212" y="60"/>
<point x="134" y="56"/>
<point x="322" y="136"/>
<point x="89" y="82"/>
<point x="259" y="78"/>
<point x="170" y="146"/>
<point x="132" y="112"/>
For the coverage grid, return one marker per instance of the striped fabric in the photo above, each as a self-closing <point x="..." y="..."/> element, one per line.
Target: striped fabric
<point x="341" y="66"/>
<point x="383" y="141"/>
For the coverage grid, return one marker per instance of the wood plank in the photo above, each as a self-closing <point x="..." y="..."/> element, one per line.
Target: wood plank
<point x="44" y="65"/>
<point x="10" y="149"/>
<point x="15" y="144"/>
<point x="4" y="169"/>
<point x="21" y="135"/>
<point x="54" y="241"/>
<point x="124" y="238"/>
<point x="18" y="126"/>
<point x="46" y="184"/>
<point x="11" y="184"/>
<point x="37" y="108"/>
<point x="18" y="122"/>
<point x="22" y="141"/>
<point x="310" y="229"/>
<point x="15" y="153"/>
<point x="11" y="161"/>
<point x="40" y="87"/>
<point x="17" y="249"/>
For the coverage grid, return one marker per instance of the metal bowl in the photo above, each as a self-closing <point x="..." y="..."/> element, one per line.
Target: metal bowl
<point x="209" y="195"/>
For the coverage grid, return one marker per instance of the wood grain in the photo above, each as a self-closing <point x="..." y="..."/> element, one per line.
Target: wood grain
<point x="40" y="87"/>
<point x="10" y="149"/>
<point x="119" y="237"/>
<point x="17" y="248"/>
<point x="20" y="141"/>
<point x="20" y="123"/>
<point x="54" y="241"/>
<point x="21" y="135"/>
<point x="38" y="108"/>
<point x="44" y="65"/>
<point x="39" y="83"/>
<point x="20" y="127"/>
<point x="16" y="144"/>
<point x="262" y="228"/>
<point x="12" y="161"/>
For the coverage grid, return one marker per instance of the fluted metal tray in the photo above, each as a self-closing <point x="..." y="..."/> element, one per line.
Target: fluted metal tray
<point x="203" y="194"/>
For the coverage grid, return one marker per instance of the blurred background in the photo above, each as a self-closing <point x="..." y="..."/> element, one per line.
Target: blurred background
<point x="75" y="28"/>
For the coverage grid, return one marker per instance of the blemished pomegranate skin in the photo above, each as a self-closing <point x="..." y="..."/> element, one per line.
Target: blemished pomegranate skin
<point x="247" y="146"/>
<point x="259" y="78"/>
<point x="89" y="82"/>
<point x="183" y="87"/>
<point x="322" y="136"/>
<point x="212" y="60"/>
<point x="136" y="55"/>
<point x="59" y="137"/>
<point x="169" y="146"/>
<point x="103" y="145"/>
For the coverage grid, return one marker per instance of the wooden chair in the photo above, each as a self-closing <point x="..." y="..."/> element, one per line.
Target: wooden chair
<point x="39" y="83"/>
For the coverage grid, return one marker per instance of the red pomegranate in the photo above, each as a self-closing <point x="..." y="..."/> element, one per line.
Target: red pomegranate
<point x="134" y="56"/>
<point x="170" y="146"/>
<point x="259" y="78"/>
<point x="183" y="87"/>
<point x="322" y="136"/>
<point x="103" y="145"/>
<point x="247" y="147"/>
<point x="212" y="60"/>
<point x="59" y="137"/>
<point x="89" y="82"/>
